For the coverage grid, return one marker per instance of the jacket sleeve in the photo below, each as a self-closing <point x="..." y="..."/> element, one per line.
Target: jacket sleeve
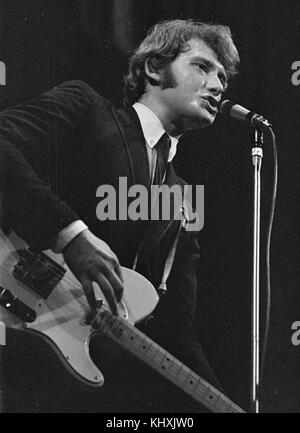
<point x="28" y="135"/>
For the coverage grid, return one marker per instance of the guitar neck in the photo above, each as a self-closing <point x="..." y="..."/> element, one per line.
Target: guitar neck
<point x="165" y="364"/>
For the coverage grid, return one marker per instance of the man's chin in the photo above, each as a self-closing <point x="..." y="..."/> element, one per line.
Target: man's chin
<point x="198" y="122"/>
<point x="206" y="120"/>
<point x="205" y="116"/>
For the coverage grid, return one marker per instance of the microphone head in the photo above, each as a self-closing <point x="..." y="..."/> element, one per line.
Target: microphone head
<point x="226" y="106"/>
<point x="241" y="113"/>
<point x="236" y="111"/>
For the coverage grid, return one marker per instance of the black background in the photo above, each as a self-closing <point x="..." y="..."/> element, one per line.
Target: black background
<point x="44" y="43"/>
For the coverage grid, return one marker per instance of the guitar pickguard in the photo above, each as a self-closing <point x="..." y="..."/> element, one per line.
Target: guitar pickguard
<point x="44" y="284"/>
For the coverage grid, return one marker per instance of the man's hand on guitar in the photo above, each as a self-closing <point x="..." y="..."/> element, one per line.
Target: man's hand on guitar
<point x="91" y="260"/>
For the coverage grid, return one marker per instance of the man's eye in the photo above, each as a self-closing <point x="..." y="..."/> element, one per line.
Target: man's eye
<point x="200" y="66"/>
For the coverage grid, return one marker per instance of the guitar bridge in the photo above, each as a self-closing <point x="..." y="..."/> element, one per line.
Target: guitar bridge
<point x="38" y="272"/>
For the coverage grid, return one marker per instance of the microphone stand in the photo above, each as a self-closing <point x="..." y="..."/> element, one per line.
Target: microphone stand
<point x="2" y="343"/>
<point x="257" y="155"/>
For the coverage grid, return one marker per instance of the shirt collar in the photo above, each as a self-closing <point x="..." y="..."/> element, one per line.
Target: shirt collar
<point x="153" y="128"/>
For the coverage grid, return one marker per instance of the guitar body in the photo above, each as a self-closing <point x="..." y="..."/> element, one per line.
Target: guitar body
<point x="39" y="295"/>
<point x="60" y="314"/>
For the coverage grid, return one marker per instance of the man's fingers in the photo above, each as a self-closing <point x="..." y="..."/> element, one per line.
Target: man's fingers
<point x="119" y="272"/>
<point x="108" y="292"/>
<point x="116" y="283"/>
<point x="89" y="291"/>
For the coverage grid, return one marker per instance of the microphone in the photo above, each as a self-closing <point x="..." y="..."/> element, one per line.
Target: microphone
<point x="241" y="113"/>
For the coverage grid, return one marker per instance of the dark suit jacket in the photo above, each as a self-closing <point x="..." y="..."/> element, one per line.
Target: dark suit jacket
<point x="75" y="140"/>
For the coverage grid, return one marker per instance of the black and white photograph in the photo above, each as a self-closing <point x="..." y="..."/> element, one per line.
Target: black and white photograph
<point x="149" y="209"/>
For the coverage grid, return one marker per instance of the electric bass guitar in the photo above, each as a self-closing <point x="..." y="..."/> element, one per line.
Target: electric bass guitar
<point x="38" y="293"/>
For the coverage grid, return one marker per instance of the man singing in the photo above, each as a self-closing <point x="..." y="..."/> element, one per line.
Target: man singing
<point x="75" y="140"/>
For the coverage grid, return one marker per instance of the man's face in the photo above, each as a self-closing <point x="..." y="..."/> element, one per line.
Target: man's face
<point x="198" y="80"/>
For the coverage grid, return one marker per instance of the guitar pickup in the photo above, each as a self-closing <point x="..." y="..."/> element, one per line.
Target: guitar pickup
<point x="14" y="305"/>
<point x="38" y="272"/>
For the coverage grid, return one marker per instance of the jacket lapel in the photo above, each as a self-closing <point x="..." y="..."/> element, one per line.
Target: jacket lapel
<point x="134" y="141"/>
<point x="138" y="159"/>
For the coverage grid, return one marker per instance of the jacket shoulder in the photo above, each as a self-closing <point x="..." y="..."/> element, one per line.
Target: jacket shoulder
<point x="78" y="88"/>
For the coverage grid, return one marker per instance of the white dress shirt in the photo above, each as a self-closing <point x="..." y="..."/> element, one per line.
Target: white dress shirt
<point x="153" y="130"/>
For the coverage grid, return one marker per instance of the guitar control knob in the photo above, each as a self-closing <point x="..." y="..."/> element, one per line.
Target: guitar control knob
<point x="15" y="306"/>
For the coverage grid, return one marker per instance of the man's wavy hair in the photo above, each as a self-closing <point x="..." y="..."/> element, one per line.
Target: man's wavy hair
<point x="165" y="41"/>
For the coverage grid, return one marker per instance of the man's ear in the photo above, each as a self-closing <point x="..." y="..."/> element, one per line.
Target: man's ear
<point x="153" y="74"/>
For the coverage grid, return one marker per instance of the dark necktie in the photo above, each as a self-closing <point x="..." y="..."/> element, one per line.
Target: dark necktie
<point x="163" y="148"/>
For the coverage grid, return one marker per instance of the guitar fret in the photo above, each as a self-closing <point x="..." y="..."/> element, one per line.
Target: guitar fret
<point x="232" y="408"/>
<point x="159" y="355"/>
<point x="196" y="387"/>
<point x="166" y="363"/>
<point x="212" y="397"/>
<point x="182" y="374"/>
<point x="222" y="405"/>
<point x="127" y="335"/>
<point x="189" y="380"/>
<point x="193" y="381"/>
<point x="103" y="323"/>
<point x="134" y="339"/>
<point x="175" y="368"/>
<point x="24" y="266"/>
<point x="106" y="322"/>
<point x="170" y="367"/>
<point x="144" y="345"/>
<point x="201" y="390"/>
<point x="118" y="329"/>
<point x="154" y="353"/>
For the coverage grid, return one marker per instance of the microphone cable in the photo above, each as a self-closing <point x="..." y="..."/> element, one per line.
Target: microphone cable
<point x="267" y="256"/>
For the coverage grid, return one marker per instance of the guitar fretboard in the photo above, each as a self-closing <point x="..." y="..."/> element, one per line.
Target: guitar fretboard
<point x="166" y="364"/>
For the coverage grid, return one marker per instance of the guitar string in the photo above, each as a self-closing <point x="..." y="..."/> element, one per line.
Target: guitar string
<point x="188" y="373"/>
<point x="68" y="297"/>
<point x="70" y="303"/>
<point x="140" y="340"/>
<point x="67" y="282"/>
<point x="65" y="278"/>
<point x="201" y="390"/>
<point x="73" y="282"/>
<point x="50" y="266"/>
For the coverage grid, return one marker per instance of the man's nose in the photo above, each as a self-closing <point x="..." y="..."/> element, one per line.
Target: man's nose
<point x="214" y="84"/>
